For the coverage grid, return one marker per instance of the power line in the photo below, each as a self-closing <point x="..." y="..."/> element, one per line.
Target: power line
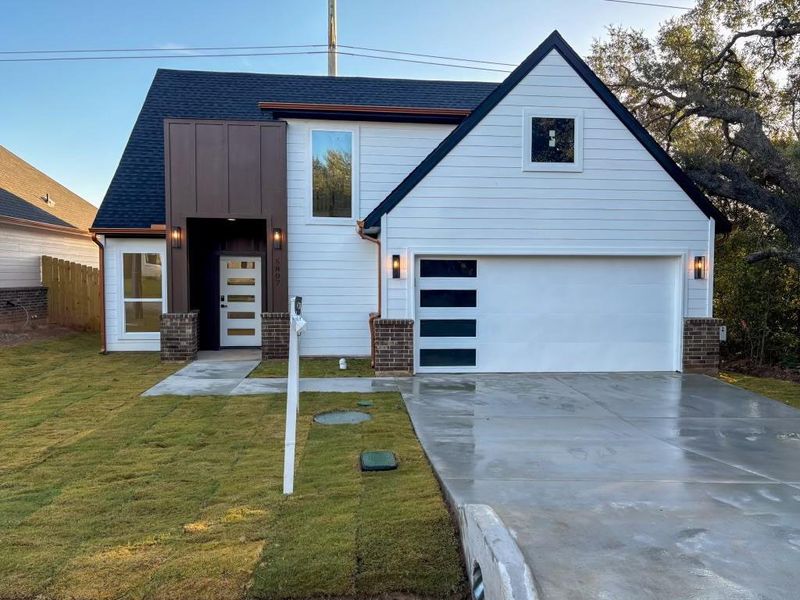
<point x="470" y="60"/>
<point x="130" y="57"/>
<point x="219" y="49"/>
<point x="656" y="4"/>
<point x="177" y="53"/>
<point x="424" y="62"/>
<point x="240" y="54"/>
<point x="199" y="48"/>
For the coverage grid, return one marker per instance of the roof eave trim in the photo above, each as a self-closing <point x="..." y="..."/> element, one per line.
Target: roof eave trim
<point x="69" y="230"/>
<point x="365" y="108"/>
<point x="553" y="42"/>
<point x="152" y="231"/>
<point x="405" y="114"/>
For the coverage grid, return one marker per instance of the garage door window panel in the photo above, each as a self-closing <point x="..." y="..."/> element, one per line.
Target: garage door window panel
<point x="447" y="357"/>
<point x="447" y="327"/>
<point x="448" y="268"/>
<point x="448" y="298"/>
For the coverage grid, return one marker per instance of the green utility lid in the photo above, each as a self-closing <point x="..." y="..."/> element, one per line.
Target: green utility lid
<point x="378" y="460"/>
<point x="365" y="403"/>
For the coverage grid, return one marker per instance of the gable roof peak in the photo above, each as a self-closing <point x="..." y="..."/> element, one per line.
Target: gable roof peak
<point x="554" y="41"/>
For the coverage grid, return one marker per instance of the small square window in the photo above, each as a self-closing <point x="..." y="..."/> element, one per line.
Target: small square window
<point x="552" y="140"/>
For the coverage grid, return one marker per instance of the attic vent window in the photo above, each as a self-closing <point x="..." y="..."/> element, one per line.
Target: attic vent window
<point x="552" y="140"/>
<point x="48" y="200"/>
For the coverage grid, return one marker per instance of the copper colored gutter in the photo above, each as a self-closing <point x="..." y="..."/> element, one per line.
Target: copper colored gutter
<point x="69" y="230"/>
<point x="403" y="111"/>
<point x="153" y="230"/>
<point x="101" y="284"/>
<point x="376" y="314"/>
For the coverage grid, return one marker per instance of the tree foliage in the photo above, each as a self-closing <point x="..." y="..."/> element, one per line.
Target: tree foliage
<point x="759" y="303"/>
<point x="720" y="88"/>
<point x="332" y="184"/>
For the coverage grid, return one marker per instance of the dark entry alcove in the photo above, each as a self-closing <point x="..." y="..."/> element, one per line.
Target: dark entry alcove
<point x="207" y="240"/>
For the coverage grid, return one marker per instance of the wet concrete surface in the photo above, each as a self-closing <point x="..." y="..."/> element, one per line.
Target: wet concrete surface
<point x="623" y="486"/>
<point x="226" y="375"/>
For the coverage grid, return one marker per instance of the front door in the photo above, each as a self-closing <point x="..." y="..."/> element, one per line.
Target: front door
<point x="240" y="301"/>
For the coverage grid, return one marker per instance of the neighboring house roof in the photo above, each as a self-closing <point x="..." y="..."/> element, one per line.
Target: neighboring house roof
<point x="23" y="189"/>
<point x="553" y="42"/>
<point x="17" y="208"/>
<point x="135" y="198"/>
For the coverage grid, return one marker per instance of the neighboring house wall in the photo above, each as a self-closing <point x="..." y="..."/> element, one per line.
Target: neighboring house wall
<point x="116" y="337"/>
<point x="21" y="250"/>
<point x="478" y="198"/>
<point x="329" y="265"/>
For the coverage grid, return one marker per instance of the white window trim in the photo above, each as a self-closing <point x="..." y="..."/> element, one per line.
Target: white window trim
<point x="139" y="335"/>
<point x="552" y="113"/>
<point x="354" y="188"/>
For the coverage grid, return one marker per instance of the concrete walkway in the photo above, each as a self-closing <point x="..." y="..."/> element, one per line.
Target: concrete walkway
<point x="625" y="486"/>
<point x="225" y="375"/>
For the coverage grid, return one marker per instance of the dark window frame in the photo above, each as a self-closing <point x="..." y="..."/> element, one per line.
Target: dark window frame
<point x="470" y="270"/>
<point x="563" y="151"/>
<point x="438" y="328"/>
<point x="435" y="357"/>
<point x="430" y="294"/>
<point x="574" y="114"/>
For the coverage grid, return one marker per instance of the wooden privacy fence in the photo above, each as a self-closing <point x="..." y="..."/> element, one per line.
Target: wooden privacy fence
<point x="73" y="293"/>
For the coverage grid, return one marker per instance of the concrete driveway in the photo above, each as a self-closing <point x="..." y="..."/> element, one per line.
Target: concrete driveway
<point x="625" y="486"/>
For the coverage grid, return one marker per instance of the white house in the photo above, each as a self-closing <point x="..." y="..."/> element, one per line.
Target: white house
<point x="532" y="225"/>
<point x="38" y="216"/>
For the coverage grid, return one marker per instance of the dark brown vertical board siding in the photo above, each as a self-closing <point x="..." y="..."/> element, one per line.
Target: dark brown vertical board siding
<point x="212" y="169"/>
<point x="273" y="202"/>
<point x="245" y="177"/>
<point x="221" y="170"/>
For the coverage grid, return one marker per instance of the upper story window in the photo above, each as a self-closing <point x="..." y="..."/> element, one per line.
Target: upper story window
<point x="552" y="140"/>
<point x="332" y="160"/>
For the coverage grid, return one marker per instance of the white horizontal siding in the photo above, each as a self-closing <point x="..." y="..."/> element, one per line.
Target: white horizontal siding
<point x="116" y="338"/>
<point x="478" y="198"/>
<point x="22" y="248"/>
<point x="329" y="265"/>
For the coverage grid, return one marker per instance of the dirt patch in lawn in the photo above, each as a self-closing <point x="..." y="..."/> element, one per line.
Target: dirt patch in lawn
<point x="11" y="335"/>
<point x="747" y="367"/>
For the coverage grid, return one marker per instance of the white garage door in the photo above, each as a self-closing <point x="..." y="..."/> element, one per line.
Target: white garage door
<point x="547" y="314"/>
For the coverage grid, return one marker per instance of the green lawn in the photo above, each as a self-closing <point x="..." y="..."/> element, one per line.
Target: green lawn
<point x="104" y="494"/>
<point x="787" y="392"/>
<point x="316" y="367"/>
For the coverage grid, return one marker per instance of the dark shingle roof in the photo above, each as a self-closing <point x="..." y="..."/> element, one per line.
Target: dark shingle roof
<point x="135" y="197"/>
<point x="13" y="206"/>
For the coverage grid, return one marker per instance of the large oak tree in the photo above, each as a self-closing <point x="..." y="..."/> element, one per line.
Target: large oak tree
<point x="720" y="87"/>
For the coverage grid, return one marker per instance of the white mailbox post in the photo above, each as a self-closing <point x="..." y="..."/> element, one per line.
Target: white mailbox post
<point x="296" y="327"/>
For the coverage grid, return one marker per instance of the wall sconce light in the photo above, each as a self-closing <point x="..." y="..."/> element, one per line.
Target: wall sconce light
<point x="395" y="266"/>
<point x="699" y="267"/>
<point x="277" y="238"/>
<point x="176" y="235"/>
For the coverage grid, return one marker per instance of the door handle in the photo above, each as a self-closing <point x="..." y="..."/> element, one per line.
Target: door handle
<point x="223" y="306"/>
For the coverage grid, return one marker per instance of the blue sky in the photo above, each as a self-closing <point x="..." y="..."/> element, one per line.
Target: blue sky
<point x="72" y="119"/>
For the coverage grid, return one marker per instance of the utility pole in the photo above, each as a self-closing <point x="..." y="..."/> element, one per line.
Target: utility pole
<point x="332" y="38"/>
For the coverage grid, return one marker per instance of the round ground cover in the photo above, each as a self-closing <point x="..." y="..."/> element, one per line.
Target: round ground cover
<point x="342" y="417"/>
